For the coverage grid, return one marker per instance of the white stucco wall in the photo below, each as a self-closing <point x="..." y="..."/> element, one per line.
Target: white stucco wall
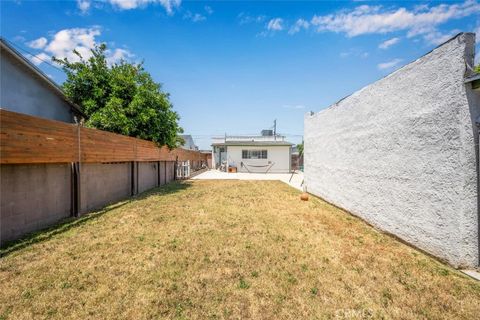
<point x="401" y="154"/>
<point x="278" y="155"/>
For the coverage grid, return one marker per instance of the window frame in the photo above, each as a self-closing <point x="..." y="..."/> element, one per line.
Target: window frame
<point x="256" y="154"/>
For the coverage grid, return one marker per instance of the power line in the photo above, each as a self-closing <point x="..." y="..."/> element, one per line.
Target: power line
<point x="33" y="55"/>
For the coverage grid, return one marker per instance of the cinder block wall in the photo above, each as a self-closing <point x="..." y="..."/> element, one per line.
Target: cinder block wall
<point x="147" y="175"/>
<point x="33" y="197"/>
<point x="170" y="172"/>
<point x="104" y="183"/>
<point x="401" y="153"/>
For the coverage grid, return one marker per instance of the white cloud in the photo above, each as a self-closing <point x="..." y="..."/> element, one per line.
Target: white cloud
<point x="39" y="58"/>
<point x="65" y="41"/>
<point x="244" y="18"/>
<point x="275" y="24"/>
<point x="194" y="17"/>
<point x="388" y="43"/>
<point x="435" y="37"/>
<point x="118" y="55"/>
<point x="169" y="5"/>
<point x="299" y="25"/>
<point x="367" y="19"/>
<point x="389" y="64"/>
<point x="40" y="43"/>
<point x="82" y="40"/>
<point x="83" y="5"/>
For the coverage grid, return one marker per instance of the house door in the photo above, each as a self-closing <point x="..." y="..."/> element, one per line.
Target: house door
<point x="223" y="155"/>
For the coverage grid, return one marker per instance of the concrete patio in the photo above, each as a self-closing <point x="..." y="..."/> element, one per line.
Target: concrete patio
<point x="295" y="180"/>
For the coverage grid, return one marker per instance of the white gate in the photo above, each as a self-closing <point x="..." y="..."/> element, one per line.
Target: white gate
<point x="183" y="169"/>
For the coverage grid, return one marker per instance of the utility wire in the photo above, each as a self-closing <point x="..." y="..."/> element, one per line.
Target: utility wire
<point x="33" y="55"/>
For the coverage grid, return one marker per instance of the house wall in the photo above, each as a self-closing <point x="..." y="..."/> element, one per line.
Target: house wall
<point x="278" y="155"/>
<point x="401" y="154"/>
<point x="23" y="91"/>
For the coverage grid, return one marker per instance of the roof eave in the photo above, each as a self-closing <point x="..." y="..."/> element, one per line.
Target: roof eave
<point x="24" y="61"/>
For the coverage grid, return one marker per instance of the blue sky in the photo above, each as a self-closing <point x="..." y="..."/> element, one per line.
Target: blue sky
<point x="233" y="67"/>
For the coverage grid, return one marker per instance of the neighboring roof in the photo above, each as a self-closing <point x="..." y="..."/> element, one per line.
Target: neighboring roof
<point x="25" y="62"/>
<point x="188" y="142"/>
<point x="473" y="78"/>
<point x="253" y="143"/>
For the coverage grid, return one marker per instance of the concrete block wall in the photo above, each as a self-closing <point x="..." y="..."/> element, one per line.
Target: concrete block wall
<point x="170" y="171"/>
<point x="147" y="175"/>
<point x="33" y="197"/>
<point x="401" y="153"/>
<point x="104" y="183"/>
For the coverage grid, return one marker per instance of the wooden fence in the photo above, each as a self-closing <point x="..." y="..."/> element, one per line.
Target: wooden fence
<point x="50" y="170"/>
<point x="28" y="139"/>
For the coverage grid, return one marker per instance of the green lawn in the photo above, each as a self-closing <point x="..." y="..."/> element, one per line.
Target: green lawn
<point x="227" y="250"/>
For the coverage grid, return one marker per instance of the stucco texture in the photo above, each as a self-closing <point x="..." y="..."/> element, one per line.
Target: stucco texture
<point x="400" y="153"/>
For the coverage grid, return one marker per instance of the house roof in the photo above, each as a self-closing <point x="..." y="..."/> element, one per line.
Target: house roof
<point x="253" y="143"/>
<point x="473" y="78"/>
<point x="39" y="73"/>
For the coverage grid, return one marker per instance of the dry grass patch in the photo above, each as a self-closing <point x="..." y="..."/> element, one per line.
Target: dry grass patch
<point x="228" y="249"/>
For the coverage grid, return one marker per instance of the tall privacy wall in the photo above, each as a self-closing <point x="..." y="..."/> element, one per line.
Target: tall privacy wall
<point x="51" y="170"/>
<point x="401" y="153"/>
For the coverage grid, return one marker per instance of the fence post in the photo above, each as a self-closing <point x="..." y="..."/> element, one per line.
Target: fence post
<point x="75" y="177"/>
<point x="75" y="189"/>
<point x="133" y="177"/>
<point x="175" y="169"/>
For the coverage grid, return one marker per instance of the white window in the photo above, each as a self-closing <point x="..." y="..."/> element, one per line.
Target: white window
<point x="254" y="154"/>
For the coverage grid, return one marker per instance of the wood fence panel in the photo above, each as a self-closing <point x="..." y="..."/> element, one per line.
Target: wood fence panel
<point x="29" y="139"/>
<point x="103" y="146"/>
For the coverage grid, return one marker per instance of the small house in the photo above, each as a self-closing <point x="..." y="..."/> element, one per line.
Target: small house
<point x="188" y="142"/>
<point x="265" y="153"/>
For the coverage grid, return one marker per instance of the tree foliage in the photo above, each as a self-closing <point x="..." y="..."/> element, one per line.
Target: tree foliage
<point x="121" y="98"/>
<point x="300" y="148"/>
<point x="477" y="69"/>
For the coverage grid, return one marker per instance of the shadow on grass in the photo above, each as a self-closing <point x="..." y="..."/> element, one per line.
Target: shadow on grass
<point x="65" y="225"/>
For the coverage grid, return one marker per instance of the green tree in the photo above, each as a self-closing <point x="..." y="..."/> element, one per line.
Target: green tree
<point x="121" y="98"/>
<point x="477" y="69"/>
<point x="300" y="148"/>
